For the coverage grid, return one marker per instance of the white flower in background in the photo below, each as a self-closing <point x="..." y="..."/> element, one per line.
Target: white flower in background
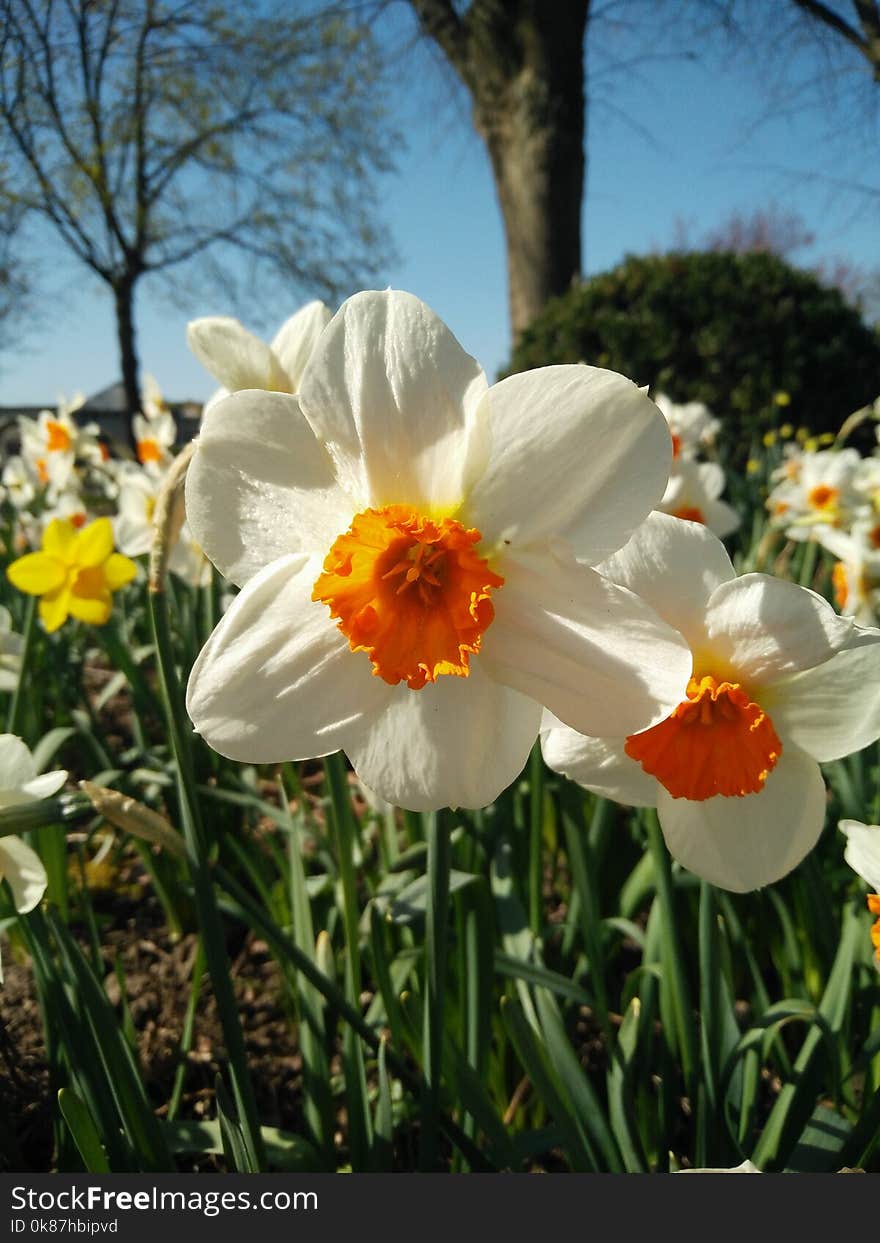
<point x="693" y="493"/>
<point x="815" y="490"/>
<point x="780" y="682"/>
<point x="133" y="526"/>
<point x="19" y="783"/>
<point x="405" y="537"/>
<point x="11" y="647"/>
<point x="154" y="438"/>
<point x="48" y="448"/>
<point x="18" y="483"/>
<point x="153" y="403"/>
<point x="855" y="578"/>
<point x="240" y="360"/>
<point x="866" y="482"/>
<point x="863" y="856"/>
<point x="746" y="1167"/>
<point x="692" y="425"/>
<point x="68" y="505"/>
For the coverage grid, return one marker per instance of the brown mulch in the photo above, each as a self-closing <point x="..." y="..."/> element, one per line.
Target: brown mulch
<point x="157" y="972"/>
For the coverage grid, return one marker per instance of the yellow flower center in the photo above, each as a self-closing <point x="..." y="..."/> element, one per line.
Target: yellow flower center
<point x="410" y="591"/>
<point x="57" y="437"/>
<point x="148" y="451"/>
<point x="715" y="742"/>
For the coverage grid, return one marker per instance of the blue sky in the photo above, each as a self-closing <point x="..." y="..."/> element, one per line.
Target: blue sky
<point x="671" y="138"/>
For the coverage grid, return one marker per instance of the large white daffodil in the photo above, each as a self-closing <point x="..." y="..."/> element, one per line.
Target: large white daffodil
<point x="19" y="783"/>
<point x="406" y="539"/>
<point x="779" y="683"/>
<point x="240" y="360"/>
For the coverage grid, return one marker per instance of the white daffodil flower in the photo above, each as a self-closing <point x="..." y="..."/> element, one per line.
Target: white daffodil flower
<point x="11" y="648"/>
<point x="693" y="493"/>
<point x="692" y="425"/>
<point x="154" y="438"/>
<point x="862" y="853"/>
<point x="19" y="783"/>
<point x="406" y="540"/>
<point x="855" y="578"/>
<point x="240" y="360"/>
<point x="780" y="682"/>
<point x="815" y="490"/>
<point x="134" y="528"/>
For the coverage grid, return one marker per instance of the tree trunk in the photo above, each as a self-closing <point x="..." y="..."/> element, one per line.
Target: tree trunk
<point x="123" y="299"/>
<point x="523" y="63"/>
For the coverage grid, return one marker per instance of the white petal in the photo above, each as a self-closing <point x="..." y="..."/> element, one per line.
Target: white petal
<point x="277" y="680"/>
<point x="456" y="743"/>
<point x="16" y="763"/>
<point x="296" y="339"/>
<point x="27" y="878"/>
<point x="834" y="709"/>
<point x="760" y="629"/>
<point x="260" y="485"/>
<point x="235" y="356"/>
<point x="599" y="764"/>
<point x="575" y="451"/>
<point x="863" y="850"/>
<point x="592" y="652"/>
<point x="45" y="785"/>
<point x="721" y="518"/>
<point x="674" y="566"/>
<point x="394" y="396"/>
<point x="743" y="843"/>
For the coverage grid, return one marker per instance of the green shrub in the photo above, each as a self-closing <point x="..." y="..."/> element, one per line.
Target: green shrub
<point x="730" y="330"/>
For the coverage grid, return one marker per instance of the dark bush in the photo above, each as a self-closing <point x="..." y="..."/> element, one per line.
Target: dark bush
<point x="730" y="330"/>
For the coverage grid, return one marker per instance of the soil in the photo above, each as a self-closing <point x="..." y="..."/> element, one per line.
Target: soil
<point x="157" y="973"/>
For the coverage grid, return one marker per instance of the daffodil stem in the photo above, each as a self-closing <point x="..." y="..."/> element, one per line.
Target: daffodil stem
<point x="13" y="721"/>
<point x="42" y="814"/>
<point x="536" y="839"/>
<point x="210" y="923"/>
<point x="436" y="928"/>
<point x="671" y="958"/>
<point x="345" y="830"/>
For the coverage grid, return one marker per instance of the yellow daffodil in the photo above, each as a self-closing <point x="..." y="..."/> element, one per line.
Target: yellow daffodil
<point x="75" y="572"/>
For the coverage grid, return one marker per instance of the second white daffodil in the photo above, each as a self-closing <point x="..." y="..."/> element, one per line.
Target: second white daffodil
<point x="779" y="683"/>
<point x="414" y="550"/>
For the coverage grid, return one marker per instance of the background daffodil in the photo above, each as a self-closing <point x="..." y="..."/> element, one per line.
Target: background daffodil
<point x="75" y="573"/>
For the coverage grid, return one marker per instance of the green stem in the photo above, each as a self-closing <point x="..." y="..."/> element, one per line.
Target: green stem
<point x="345" y="830"/>
<point x="435" y="993"/>
<point x="671" y="957"/>
<point x="186" y="1039"/>
<point x="536" y="840"/>
<point x="13" y="720"/>
<point x="210" y="923"/>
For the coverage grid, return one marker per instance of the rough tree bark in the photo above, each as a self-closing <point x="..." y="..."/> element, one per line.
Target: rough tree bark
<point x="522" y="61"/>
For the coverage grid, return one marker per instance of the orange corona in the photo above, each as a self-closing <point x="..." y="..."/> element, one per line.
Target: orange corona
<point x="410" y="591"/>
<point x="148" y="451"/>
<point x="57" y="437"/>
<point x="823" y="497"/>
<point x="874" y="908"/>
<point x="715" y="742"/>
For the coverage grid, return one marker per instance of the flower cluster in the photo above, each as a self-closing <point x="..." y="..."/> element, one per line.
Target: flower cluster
<point x="434" y="571"/>
<point x="695" y="485"/>
<point x="833" y="496"/>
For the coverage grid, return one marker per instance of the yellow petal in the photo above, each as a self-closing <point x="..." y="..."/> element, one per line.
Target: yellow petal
<point x="118" y="571"/>
<point x="94" y="543"/>
<point x="55" y="609"/>
<point x="59" y="540"/>
<point x="92" y="609"/>
<point x="36" y="573"/>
